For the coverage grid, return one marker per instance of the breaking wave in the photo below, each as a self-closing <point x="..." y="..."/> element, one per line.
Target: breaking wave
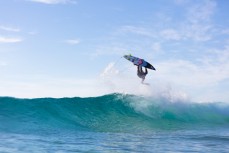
<point x="108" y="113"/>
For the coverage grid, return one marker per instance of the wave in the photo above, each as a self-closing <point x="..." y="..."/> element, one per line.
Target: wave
<point x="108" y="113"/>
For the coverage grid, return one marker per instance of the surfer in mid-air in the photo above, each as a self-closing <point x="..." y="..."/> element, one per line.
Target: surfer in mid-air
<point x="140" y="63"/>
<point x="141" y="74"/>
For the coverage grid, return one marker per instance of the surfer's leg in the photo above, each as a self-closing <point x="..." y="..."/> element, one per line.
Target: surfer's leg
<point x="143" y="80"/>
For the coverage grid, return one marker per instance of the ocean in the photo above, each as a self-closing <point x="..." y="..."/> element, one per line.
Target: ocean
<point x="113" y="123"/>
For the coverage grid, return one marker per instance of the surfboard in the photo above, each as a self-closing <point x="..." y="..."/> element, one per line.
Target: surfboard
<point x="139" y="62"/>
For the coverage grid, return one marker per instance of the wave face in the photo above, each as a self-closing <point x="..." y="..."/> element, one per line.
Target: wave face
<point x="109" y="113"/>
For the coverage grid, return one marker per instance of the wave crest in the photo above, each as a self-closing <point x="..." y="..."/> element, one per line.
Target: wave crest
<point x="113" y="112"/>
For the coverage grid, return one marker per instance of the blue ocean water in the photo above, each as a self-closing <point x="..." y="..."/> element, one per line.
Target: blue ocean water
<point x="112" y="123"/>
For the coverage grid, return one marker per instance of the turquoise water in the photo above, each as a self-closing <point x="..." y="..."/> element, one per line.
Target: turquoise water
<point x="112" y="123"/>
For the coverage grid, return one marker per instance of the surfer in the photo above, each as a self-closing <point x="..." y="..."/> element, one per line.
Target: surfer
<point x="141" y="74"/>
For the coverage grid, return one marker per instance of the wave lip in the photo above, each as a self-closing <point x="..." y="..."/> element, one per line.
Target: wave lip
<point x="109" y="113"/>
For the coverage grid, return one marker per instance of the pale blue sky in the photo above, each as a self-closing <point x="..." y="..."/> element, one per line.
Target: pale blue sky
<point x="60" y="48"/>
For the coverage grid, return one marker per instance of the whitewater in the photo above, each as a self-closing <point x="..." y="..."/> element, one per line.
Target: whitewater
<point x="112" y="123"/>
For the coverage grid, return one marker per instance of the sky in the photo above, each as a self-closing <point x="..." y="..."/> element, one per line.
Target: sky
<point x="74" y="48"/>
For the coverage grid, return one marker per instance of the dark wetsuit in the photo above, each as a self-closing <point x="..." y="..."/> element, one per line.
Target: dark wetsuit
<point x="141" y="74"/>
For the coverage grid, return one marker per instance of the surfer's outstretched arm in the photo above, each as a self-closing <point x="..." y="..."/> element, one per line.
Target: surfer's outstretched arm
<point x="139" y="69"/>
<point x="146" y="71"/>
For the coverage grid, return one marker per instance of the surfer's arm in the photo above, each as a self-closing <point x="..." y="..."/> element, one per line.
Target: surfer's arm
<point x="146" y="71"/>
<point x="139" y="69"/>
